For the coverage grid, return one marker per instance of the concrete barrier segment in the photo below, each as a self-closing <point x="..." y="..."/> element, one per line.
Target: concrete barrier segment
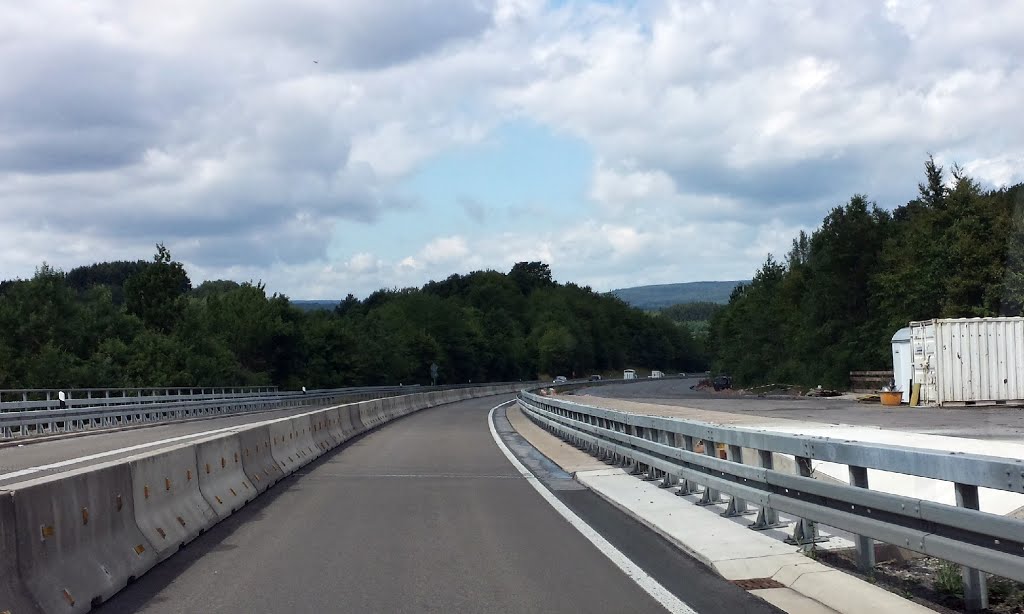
<point x="306" y="446"/>
<point x="335" y="425"/>
<point x="77" y="541"/>
<point x="257" y="457"/>
<point x="349" y="418"/>
<point x="284" y="445"/>
<point x="222" y="479"/>
<point x="370" y="412"/>
<point x="169" y="508"/>
<point x="14" y="596"/>
<point x="320" y="425"/>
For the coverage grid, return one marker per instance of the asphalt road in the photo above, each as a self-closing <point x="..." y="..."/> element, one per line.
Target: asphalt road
<point x="1003" y="423"/>
<point x="17" y="459"/>
<point x="422" y="515"/>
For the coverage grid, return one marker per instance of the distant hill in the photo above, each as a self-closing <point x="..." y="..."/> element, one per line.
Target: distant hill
<point x="307" y="305"/>
<point x="664" y="295"/>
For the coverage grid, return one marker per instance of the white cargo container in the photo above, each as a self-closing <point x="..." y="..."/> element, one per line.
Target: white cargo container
<point x="629" y="374"/>
<point x="657" y="375"/>
<point x="968" y="361"/>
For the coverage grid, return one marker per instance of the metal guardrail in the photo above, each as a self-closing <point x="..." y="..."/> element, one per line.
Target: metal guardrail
<point x="667" y="449"/>
<point x="32" y="423"/>
<point x="92" y="413"/>
<point x="49" y="398"/>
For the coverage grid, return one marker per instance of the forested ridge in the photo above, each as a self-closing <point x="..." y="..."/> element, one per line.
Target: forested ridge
<point x="117" y="324"/>
<point x="832" y="304"/>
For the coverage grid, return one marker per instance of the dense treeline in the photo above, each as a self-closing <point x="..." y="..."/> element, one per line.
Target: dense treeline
<point x="141" y="323"/>
<point x="834" y="303"/>
<point x="692" y="312"/>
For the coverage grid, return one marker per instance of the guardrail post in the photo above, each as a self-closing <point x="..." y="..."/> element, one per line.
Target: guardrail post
<point x="806" y="531"/>
<point x="767" y="517"/>
<point x="975" y="585"/>
<point x="710" y="496"/>
<point x="865" y="545"/>
<point x="617" y="458"/>
<point x="737" y="506"/>
<point x="634" y="465"/>
<point x="669" y="439"/>
<point x="686" y="487"/>
<point x="651" y="435"/>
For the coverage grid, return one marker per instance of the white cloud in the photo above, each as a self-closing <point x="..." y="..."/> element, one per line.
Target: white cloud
<point x="444" y="250"/>
<point x="718" y="128"/>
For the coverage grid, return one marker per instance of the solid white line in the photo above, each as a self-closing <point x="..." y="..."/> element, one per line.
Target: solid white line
<point x="91" y="457"/>
<point x="143" y="446"/>
<point x="651" y="586"/>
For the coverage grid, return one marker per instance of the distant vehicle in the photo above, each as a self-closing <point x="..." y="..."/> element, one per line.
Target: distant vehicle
<point x="560" y="380"/>
<point x="682" y="375"/>
<point x="722" y="382"/>
<point x="657" y="375"/>
<point x="595" y="378"/>
<point x="629" y="374"/>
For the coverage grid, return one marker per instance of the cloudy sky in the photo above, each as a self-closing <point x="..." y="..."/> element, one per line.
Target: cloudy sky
<point x="335" y="146"/>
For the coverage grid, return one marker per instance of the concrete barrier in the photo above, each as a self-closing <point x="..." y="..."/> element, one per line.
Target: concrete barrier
<point x="320" y="430"/>
<point x="287" y="444"/>
<point x="335" y="426"/>
<point x="407" y="404"/>
<point x="169" y="508"/>
<point x="257" y="458"/>
<point x="222" y="480"/>
<point x="303" y="426"/>
<point x="76" y="536"/>
<point x="371" y="412"/>
<point x="74" y="539"/>
<point x="14" y="596"/>
<point x="350" y="423"/>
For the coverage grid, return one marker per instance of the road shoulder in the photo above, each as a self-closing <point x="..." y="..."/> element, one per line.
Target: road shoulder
<point x="682" y="575"/>
<point x="768" y="568"/>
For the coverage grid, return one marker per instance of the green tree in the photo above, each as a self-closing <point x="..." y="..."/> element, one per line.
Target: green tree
<point x="156" y="294"/>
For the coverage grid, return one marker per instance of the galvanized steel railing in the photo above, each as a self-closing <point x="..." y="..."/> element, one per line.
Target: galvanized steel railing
<point x="49" y="398"/>
<point x="666" y="449"/>
<point x="84" y="410"/>
<point x="100" y="413"/>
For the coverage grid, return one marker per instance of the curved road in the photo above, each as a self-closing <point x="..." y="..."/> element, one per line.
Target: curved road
<point x="422" y="515"/>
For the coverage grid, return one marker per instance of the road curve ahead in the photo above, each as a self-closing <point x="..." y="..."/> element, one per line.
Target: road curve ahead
<point x="422" y="515"/>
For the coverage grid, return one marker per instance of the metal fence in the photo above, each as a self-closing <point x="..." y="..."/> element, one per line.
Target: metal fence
<point x="97" y="413"/>
<point x="85" y="410"/>
<point x="667" y="449"/>
<point x="50" y="398"/>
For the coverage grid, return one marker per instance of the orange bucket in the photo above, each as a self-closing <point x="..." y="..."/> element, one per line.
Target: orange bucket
<point x="891" y="398"/>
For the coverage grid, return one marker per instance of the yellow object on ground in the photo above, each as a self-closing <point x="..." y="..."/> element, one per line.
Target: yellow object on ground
<point x="893" y="397"/>
<point x="915" y="395"/>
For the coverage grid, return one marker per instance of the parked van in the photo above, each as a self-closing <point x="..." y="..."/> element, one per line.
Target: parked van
<point x="629" y="374"/>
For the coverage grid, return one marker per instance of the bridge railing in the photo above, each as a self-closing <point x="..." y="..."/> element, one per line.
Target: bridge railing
<point x="685" y="453"/>
<point x="49" y="398"/>
<point x="84" y="416"/>
<point x="84" y="410"/>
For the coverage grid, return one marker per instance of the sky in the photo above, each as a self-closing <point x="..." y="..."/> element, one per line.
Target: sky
<point x="328" y="147"/>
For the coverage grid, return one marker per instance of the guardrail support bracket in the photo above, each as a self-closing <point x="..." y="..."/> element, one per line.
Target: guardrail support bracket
<point x="975" y="585"/>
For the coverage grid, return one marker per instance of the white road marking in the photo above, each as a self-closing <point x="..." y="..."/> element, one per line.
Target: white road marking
<point x="651" y="586"/>
<point x="143" y="446"/>
<point x="91" y="457"/>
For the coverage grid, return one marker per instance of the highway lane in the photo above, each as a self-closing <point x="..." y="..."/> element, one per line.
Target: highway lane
<point x="422" y="515"/>
<point x="1003" y="423"/>
<point x="15" y="460"/>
